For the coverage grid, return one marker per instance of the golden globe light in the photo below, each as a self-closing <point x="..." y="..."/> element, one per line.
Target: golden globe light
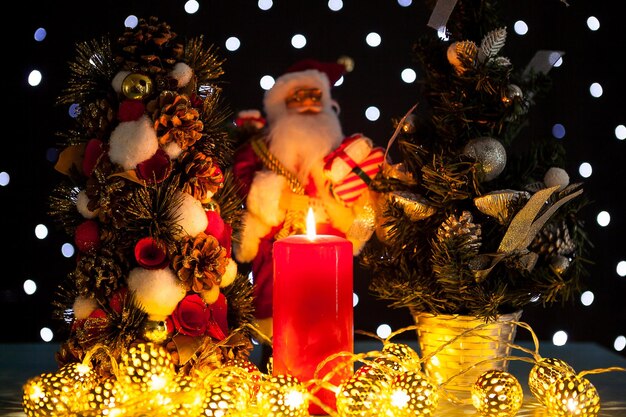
<point x="411" y="394"/>
<point x="101" y="396"/>
<point x="571" y="395"/>
<point x="224" y="398"/>
<point x="59" y="392"/>
<point x="398" y="357"/>
<point x="145" y="368"/>
<point x="363" y="393"/>
<point x="544" y="373"/>
<point x="283" y="396"/>
<point x="497" y="394"/>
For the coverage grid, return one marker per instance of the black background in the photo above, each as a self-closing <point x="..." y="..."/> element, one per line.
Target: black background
<point x="31" y="119"/>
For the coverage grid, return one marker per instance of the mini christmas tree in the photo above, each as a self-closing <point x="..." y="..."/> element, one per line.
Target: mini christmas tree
<point x="155" y="301"/>
<point x="469" y="220"/>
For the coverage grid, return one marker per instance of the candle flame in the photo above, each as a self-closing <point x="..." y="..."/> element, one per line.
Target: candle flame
<point x="310" y="224"/>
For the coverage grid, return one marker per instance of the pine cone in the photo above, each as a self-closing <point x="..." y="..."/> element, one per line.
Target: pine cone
<point x="201" y="177"/>
<point x="96" y="118"/>
<point x="175" y="119"/>
<point x="554" y="239"/>
<point x="107" y="194"/>
<point x="151" y="47"/>
<point x="200" y="263"/>
<point x="461" y="227"/>
<point x="98" y="274"/>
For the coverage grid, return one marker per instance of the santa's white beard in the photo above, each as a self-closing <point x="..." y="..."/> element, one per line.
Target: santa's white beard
<point x="301" y="140"/>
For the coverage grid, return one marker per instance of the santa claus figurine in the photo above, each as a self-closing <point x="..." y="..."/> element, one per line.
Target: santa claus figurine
<point x="297" y="160"/>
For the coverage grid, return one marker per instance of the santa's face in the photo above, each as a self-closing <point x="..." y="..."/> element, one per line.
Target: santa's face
<point x="304" y="100"/>
<point x="305" y="133"/>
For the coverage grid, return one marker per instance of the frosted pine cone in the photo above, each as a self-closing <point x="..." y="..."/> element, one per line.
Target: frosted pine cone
<point x="461" y="227"/>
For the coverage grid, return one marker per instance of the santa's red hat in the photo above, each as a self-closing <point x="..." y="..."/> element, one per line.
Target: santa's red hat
<point x="307" y="73"/>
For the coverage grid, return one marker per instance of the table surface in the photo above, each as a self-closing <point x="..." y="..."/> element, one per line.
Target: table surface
<point x="19" y="362"/>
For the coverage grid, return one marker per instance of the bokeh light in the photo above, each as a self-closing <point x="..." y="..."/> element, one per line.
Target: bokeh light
<point x="34" y="78"/>
<point x="559" y="338"/>
<point x="41" y="231"/>
<point x="585" y="170"/>
<point x="372" y="113"/>
<point x="520" y="27"/>
<point x="603" y="218"/>
<point x="267" y="81"/>
<point x="192" y="6"/>
<point x="46" y="334"/>
<point x="233" y="43"/>
<point x="40" y="34"/>
<point x="383" y="331"/>
<point x="373" y="39"/>
<point x="30" y="287"/>
<point x="408" y="75"/>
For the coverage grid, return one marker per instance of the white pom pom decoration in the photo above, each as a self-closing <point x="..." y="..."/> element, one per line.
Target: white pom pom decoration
<point x="172" y="149"/>
<point x="83" y="307"/>
<point x="133" y="142"/>
<point x="190" y="215"/>
<point x="157" y="291"/>
<point x="116" y="83"/>
<point x="230" y="274"/>
<point x="81" y="205"/>
<point x="210" y="296"/>
<point x="556" y="176"/>
<point x="182" y="73"/>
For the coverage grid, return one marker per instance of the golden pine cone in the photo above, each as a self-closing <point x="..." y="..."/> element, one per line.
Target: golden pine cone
<point x="96" y="118"/>
<point x="175" y="119"/>
<point x="200" y="263"/>
<point x="151" y="47"/>
<point x="461" y="227"/>
<point x="98" y="274"/>
<point x="201" y="177"/>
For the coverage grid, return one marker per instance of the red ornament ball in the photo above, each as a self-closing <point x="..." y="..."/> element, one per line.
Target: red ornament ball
<point x="87" y="237"/>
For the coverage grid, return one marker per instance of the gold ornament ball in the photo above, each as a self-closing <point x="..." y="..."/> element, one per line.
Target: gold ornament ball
<point x="497" y="394"/>
<point x="571" y="395"/>
<point x="137" y="86"/>
<point x="411" y="394"/>
<point x="347" y="62"/>
<point x="545" y="373"/>
<point x="155" y="331"/>
<point x="283" y="396"/>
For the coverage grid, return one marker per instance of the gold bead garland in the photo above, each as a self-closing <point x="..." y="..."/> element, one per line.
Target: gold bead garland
<point x="388" y="383"/>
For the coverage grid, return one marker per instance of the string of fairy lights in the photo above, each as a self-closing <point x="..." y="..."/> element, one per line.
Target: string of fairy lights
<point x="372" y="113"/>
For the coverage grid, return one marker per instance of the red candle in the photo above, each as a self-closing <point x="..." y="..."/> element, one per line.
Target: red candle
<point x="313" y="312"/>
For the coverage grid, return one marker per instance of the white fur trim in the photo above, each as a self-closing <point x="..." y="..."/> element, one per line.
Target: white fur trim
<point x="133" y="142"/>
<point x="249" y="113"/>
<point x="157" y="291"/>
<point x="117" y="81"/>
<point x="211" y="296"/>
<point x="252" y="230"/>
<point x="264" y="197"/>
<point x="274" y="100"/>
<point x="230" y="274"/>
<point x="81" y="205"/>
<point x="182" y="73"/>
<point x="191" y="215"/>
<point x="83" y="307"/>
